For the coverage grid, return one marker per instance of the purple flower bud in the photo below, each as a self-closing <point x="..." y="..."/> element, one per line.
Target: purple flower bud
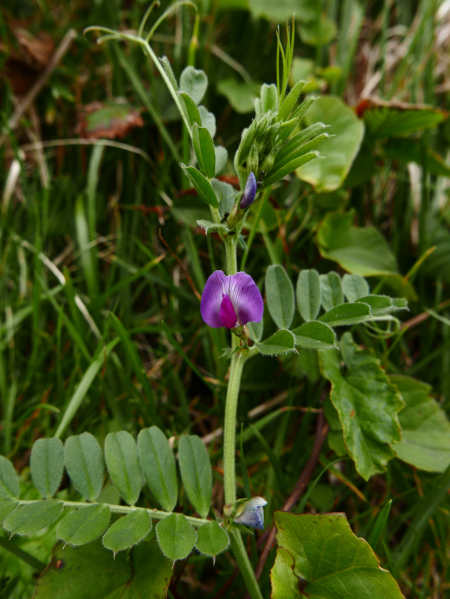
<point x="231" y="301"/>
<point x="248" y="197"/>
<point x="251" y="513"/>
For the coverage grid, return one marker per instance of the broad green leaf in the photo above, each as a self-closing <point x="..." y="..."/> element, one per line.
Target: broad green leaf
<point x="413" y="150"/>
<point x="278" y="12"/>
<point x="9" y="481"/>
<point x="176" y="537"/>
<point x="290" y="101"/>
<point x="30" y="518"/>
<point x="123" y="465"/>
<point x="128" y="531"/>
<point x="308" y="294"/>
<point x="158" y="466"/>
<point x="255" y="330"/>
<point x="425" y="441"/>
<point x="329" y="561"/>
<point x="211" y="227"/>
<point x="339" y="151"/>
<point x="77" y="572"/>
<point x="202" y="185"/>
<point x="84" y="525"/>
<point x="211" y="539"/>
<point x="319" y="32"/>
<point x="204" y="150"/>
<point x="240" y="95"/>
<point x="346" y="314"/>
<point x="194" y="82"/>
<point x="84" y="464"/>
<point x="6" y="507"/>
<point x="331" y="290"/>
<point x="47" y="465"/>
<point x="276" y="174"/>
<point x="196" y="473"/>
<point x="221" y="159"/>
<point x="281" y="342"/>
<point x="280" y="296"/>
<point x="285" y="585"/>
<point x="192" y="110"/>
<point x="315" y="335"/>
<point x="396" y="120"/>
<point x="367" y="404"/>
<point x="363" y="250"/>
<point x="382" y="304"/>
<point x="354" y="286"/>
<point x="304" y="364"/>
<point x="208" y="120"/>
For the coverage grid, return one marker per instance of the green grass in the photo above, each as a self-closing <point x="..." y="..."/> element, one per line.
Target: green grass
<point x="99" y="327"/>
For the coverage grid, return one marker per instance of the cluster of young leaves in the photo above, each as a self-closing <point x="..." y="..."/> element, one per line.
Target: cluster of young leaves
<point x="273" y="146"/>
<point x="128" y="463"/>
<point x="314" y="292"/>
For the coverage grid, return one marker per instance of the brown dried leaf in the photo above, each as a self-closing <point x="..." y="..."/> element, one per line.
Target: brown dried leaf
<point x="29" y="58"/>
<point x="110" y="121"/>
<point x="35" y="52"/>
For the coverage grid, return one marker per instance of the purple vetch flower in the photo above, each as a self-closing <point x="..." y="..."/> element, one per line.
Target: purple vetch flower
<point x="231" y="301"/>
<point x="251" y="513"/>
<point x="248" y="197"/>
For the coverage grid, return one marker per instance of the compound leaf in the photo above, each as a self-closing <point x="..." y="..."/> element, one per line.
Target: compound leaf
<point x="176" y="537"/>
<point x="47" y="465"/>
<point x="196" y="472"/>
<point x="128" y="531"/>
<point x="84" y="525"/>
<point x="84" y="464"/>
<point x="123" y="465"/>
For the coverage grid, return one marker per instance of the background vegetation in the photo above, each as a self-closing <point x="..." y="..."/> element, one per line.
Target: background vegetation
<point x="88" y="228"/>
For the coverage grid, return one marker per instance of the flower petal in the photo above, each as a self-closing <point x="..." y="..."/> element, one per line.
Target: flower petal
<point x="227" y="313"/>
<point x="212" y="299"/>
<point x="248" y="197"/>
<point x="251" y="513"/>
<point x="245" y="297"/>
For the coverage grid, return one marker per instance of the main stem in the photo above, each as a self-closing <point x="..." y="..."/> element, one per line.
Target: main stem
<point x="229" y="440"/>
<point x="229" y="431"/>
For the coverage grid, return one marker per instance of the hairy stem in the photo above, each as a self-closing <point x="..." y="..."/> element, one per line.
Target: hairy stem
<point x="229" y="439"/>
<point x="238" y="547"/>
<point x="231" y="254"/>
<point x="229" y="431"/>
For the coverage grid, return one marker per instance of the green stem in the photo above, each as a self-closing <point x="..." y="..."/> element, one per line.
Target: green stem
<point x="240" y="553"/>
<point x="229" y="439"/>
<point x="173" y="93"/>
<point x="229" y="431"/>
<point x="231" y="255"/>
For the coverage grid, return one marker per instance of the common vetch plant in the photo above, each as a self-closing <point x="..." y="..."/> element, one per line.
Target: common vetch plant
<point x="274" y="144"/>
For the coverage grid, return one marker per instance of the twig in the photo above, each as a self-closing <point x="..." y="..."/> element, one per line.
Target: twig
<point x="321" y="433"/>
<point x="412" y="322"/>
<point x="39" y="84"/>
